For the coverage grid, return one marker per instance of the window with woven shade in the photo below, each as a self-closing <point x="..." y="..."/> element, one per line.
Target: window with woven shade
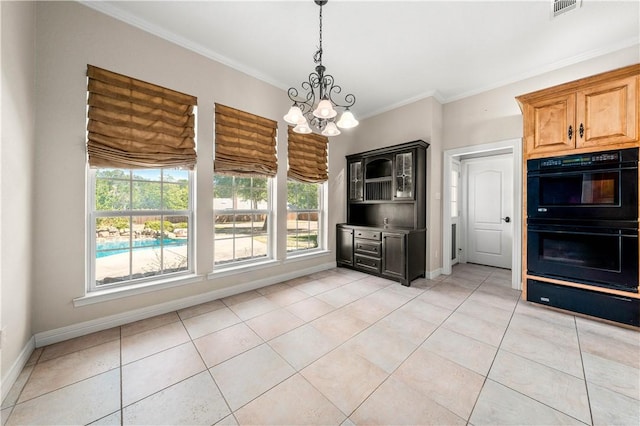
<point x="245" y="163"/>
<point x="141" y="152"/>
<point x="135" y="124"/>
<point x="307" y="173"/>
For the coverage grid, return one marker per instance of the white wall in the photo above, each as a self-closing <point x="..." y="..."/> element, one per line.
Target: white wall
<point x="16" y="182"/>
<point x="70" y="36"/>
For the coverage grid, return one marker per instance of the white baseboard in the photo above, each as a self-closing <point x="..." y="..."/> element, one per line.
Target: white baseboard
<point x="12" y="375"/>
<point x="80" y="329"/>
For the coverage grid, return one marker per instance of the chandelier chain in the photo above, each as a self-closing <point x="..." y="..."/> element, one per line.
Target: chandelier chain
<point x="317" y="58"/>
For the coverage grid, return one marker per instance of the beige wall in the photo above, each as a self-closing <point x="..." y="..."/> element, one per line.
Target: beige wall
<point x="69" y="37"/>
<point x="16" y="180"/>
<point x="490" y="116"/>
<point x="495" y="116"/>
<point x="418" y="120"/>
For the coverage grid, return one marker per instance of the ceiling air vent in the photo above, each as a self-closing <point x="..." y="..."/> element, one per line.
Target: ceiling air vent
<point x="559" y="7"/>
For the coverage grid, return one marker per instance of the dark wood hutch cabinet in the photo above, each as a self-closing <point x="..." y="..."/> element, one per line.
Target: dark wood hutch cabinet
<point x="385" y="233"/>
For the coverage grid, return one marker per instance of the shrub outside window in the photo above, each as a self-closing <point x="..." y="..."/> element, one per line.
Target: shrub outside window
<point x="242" y="216"/>
<point x="304" y="215"/>
<point x="140" y="224"/>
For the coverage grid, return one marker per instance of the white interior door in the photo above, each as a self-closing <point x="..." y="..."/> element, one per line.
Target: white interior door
<point x="489" y="215"/>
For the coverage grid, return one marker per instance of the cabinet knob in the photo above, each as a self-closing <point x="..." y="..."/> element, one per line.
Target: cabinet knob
<point x="570" y="132"/>
<point x="581" y="130"/>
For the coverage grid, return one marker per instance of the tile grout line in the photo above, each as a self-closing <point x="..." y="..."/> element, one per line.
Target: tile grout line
<point x="584" y="372"/>
<point x="484" y="382"/>
<point x="207" y="369"/>
<point x="121" y="382"/>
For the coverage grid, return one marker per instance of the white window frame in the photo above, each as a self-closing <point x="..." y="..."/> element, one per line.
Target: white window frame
<point x="93" y="214"/>
<point x="235" y="263"/>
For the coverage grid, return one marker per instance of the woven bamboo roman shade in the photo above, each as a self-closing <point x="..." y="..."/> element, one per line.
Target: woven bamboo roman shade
<point x="307" y="157"/>
<point x="134" y="124"/>
<point x="245" y="143"/>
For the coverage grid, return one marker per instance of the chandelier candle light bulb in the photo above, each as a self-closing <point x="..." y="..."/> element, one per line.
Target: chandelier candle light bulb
<point x="325" y="110"/>
<point x="305" y="114"/>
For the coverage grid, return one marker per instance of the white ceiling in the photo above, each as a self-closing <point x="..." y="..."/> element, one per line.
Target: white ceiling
<point x="389" y="53"/>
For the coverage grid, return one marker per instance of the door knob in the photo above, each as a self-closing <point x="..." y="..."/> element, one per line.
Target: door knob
<point x="507" y="219"/>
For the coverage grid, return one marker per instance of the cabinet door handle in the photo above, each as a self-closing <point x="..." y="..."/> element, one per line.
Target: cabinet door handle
<point x="581" y="130"/>
<point x="570" y="132"/>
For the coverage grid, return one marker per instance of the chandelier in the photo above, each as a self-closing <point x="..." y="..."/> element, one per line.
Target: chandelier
<point x="305" y="114"/>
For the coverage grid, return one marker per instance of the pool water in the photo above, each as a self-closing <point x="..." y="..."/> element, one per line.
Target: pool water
<point x="110" y="248"/>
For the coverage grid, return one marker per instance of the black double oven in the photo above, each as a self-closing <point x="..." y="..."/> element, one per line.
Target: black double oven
<point x="582" y="227"/>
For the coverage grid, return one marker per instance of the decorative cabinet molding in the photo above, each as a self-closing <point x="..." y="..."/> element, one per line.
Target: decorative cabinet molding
<point x="344" y="243"/>
<point x="607" y="113"/>
<point x="356" y="182"/>
<point x="593" y="113"/>
<point x="549" y="124"/>
<point x="385" y="232"/>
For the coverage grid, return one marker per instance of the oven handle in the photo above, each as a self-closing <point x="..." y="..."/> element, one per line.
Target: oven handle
<point x="617" y="233"/>
<point x="581" y="170"/>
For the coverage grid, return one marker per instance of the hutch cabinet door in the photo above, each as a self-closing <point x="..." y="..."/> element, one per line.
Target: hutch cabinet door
<point x="404" y="175"/>
<point x="607" y="113"/>
<point x="549" y="124"/>
<point x="344" y="245"/>
<point x="394" y="255"/>
<point x="356" y="186"/>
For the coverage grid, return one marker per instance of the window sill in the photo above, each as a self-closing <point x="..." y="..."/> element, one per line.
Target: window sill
<point x="294" y="256"/>
<point x="246" y="267"/>
<point x="117" y="293"/>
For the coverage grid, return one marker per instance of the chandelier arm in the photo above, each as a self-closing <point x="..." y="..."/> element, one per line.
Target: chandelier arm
<point x="333" y="88"/>
<point x="293" y="95"/>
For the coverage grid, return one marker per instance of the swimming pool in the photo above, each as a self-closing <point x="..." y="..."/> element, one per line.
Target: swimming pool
<point x="109" y="248"/>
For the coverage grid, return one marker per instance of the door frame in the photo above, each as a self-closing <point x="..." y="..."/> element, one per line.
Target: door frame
<point x="512" y="146"/>
<point x="459" y="252"/>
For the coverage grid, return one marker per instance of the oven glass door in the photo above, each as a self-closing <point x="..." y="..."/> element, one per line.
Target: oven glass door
<point x="581" y="189"/>
<point x="595" y="194"/>
<point x="605" y="257"/>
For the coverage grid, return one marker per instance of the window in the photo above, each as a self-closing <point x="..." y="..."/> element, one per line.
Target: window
<point x="242" y="215"/>
<point x="307" y="173"/>
<point x="141" y="150"/>
<point x="141" y="225"/>
<point x="304" y="216"/>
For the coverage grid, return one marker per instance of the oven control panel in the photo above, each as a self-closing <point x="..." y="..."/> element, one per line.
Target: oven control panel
<point x="623" y="157"/>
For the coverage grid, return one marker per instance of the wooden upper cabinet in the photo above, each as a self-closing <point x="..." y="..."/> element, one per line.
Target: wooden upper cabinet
<point x="607" y="113"/>
<point x="583" y="115"/>
<point x="549" y="124"/>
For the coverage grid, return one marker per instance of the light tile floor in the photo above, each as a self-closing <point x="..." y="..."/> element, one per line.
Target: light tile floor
<point x="341" y="347"/>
